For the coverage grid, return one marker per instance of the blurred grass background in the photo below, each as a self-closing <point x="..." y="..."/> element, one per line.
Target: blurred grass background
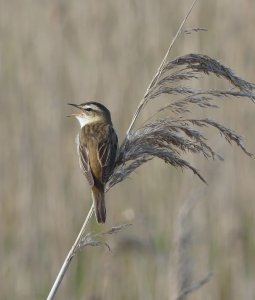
<point x="54" y="52"/>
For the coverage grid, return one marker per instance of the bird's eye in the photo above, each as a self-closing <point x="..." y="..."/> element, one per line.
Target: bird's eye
<point x="88" y="109"/>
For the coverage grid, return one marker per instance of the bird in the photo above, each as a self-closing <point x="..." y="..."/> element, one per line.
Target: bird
<point x="97" y="146"/>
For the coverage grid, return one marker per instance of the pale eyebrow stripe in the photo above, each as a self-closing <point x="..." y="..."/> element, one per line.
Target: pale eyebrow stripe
<point x="92" y="106"/>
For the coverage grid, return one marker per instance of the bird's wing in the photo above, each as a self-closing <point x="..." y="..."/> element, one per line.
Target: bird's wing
<point x="107" y="151"/>
<point x="84" y="163"/>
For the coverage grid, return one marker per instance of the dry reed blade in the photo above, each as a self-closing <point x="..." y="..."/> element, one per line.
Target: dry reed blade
<point x="156" y="77"/>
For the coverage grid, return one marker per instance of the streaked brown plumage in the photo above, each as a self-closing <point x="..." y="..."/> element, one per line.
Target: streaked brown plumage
<point x="97" y="150"/>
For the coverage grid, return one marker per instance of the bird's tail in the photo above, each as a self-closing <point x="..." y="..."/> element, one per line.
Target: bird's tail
<point x="99" y="204"/>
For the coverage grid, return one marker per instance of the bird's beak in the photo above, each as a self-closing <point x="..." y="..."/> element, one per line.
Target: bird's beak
<point x="75" y="105"/>
<point x="74" y="114"/>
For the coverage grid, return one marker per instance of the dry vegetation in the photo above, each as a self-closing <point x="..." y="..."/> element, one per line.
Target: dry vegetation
<point x="53" y="52"/>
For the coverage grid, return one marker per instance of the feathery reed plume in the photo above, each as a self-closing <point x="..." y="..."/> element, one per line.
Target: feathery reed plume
<point x="169" y="137"/>
<point x="182" y="281"/>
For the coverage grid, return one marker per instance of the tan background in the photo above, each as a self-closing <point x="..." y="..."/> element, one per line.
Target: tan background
<point x="54" y="52"/>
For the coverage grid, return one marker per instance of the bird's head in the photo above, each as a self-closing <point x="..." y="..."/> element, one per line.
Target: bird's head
<point x="91" y="112"/>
